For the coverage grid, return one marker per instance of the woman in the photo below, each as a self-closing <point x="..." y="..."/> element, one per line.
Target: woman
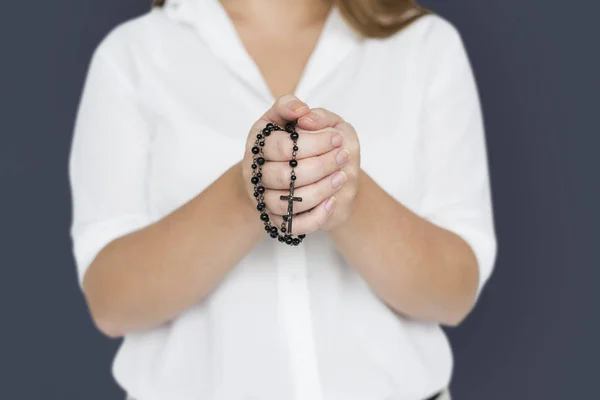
<point x="170" y="240"/>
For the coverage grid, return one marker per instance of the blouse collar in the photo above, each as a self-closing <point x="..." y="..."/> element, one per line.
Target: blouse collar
<point x="211" y="22"/>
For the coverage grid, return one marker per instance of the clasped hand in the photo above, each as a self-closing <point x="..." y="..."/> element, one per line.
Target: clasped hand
<point x="328" y="165"/>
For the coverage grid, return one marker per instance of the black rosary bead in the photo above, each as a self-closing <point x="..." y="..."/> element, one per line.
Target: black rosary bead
<point x="259" y="190"/>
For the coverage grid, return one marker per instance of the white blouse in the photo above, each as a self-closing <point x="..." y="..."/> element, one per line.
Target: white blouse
<point x="155" y="128"/>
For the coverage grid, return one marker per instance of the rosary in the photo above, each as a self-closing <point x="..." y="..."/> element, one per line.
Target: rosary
<point x="259" y="190"/>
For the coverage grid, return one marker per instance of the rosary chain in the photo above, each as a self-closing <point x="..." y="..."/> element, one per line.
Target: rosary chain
<point x="258" y="161"/>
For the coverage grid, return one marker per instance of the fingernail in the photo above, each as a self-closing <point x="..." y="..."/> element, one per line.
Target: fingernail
<point x="342" y="157"/>
<point x="338" y="179"/>
<point x="297" y="106"/>
<point x="330" y="203"/>
<point x="336" y="140"/>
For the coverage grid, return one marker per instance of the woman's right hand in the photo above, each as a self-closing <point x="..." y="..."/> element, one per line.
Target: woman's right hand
<point x="318" y="170"/>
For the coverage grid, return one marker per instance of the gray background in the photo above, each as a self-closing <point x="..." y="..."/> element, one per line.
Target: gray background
<point x="534" y="333"/>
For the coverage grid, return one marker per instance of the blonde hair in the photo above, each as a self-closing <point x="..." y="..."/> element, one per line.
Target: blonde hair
<point x="373" y="18"/>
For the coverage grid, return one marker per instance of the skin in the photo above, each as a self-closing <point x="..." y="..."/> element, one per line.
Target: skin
<point x="150" y="276"/>
<point x="420" y="270"/>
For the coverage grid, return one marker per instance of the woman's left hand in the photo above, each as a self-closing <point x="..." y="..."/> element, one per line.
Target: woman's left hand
<point x="321" y="119"/>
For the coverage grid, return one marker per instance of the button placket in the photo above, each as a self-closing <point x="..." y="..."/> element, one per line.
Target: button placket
<point x="296" y="317"/>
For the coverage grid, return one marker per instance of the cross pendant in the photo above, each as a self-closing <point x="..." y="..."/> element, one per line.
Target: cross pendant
<point x="290" y="199"/>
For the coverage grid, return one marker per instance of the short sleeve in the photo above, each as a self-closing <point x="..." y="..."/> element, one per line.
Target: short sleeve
<point x="454" y="168"/>
<point x="107" y="162"/>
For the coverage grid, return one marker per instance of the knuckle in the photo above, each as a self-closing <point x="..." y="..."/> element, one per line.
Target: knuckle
<point x="351" y="173"/>
<point x="281" y="207"/>
<point x="267" y="202"/>
<point x="344" y="125"/>
<point x="282" y="177"/>
<point x="355" y="143"/>
<point x="269" y="178"/>
<point x="322" y="164"/>
<point x="284" y="99"/>
<point x="326" y="189"/>
<point x="281" y="149"/>
<point x="273" y="207"/>
<point x="352" y="195"/>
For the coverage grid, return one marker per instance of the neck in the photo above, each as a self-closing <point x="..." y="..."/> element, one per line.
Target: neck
<point x="294" y="12"/>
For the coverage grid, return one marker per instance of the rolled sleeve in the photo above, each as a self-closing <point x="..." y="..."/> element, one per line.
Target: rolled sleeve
<point x="108" y="160"/>
<point x="455" y="179"/>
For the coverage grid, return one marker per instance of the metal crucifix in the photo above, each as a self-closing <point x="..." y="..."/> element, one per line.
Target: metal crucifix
<point x="290" y="199"/>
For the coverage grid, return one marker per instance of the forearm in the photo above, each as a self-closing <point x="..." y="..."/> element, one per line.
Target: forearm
<point x="150" y="276"/>
<point x="419" y="269"/>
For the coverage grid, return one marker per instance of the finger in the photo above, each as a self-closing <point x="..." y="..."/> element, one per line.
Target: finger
<point x="319" y="118"/>
<point x="276" y="174"/>
<point x="285" y="109"/>
<point x="309" y="221"/>
<point x="311" y="195"/>
<point x="279" y="147"/>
